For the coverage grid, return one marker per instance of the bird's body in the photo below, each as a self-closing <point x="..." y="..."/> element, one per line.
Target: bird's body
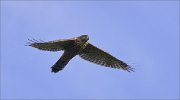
<point x="79" y="46"/>
<point x="69" y="52"/>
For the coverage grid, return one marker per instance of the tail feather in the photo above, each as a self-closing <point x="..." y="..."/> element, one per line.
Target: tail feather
<point x="59" y="65"/>
<point x="62" y="62"/>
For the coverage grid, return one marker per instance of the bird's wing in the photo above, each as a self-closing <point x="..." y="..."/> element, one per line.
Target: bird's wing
<point x="56" y="45"/>
<point x="98" y="56"/>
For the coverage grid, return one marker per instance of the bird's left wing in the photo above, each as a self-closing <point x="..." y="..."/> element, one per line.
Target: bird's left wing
<point x="98" y="56"/>
<point x="56" y="45"/>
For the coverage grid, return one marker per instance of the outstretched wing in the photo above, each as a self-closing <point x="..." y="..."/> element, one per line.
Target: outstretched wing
<point x="56" y="45"/>
<point x="98" y="56"/>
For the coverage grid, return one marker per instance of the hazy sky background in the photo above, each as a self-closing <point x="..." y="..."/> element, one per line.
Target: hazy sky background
<point x="144" y="34"/>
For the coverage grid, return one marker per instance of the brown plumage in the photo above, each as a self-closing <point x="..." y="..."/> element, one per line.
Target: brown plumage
<point x="79" y="46"/>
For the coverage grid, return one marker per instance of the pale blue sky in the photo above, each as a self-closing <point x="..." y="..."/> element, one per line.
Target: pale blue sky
<point x="144" y="34"/>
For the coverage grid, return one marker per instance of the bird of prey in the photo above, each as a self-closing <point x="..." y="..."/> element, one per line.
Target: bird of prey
<point x="79" y="46"/>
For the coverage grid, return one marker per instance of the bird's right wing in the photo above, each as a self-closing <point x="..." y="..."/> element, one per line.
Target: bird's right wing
<point x="56" y="45"/>
<point x="98" y="56"/>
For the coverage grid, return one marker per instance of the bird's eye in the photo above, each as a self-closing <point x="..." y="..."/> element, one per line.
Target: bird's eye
<point x="78" y="41"/>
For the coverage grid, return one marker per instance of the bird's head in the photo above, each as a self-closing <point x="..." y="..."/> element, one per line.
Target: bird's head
<point x="84" y="38"/>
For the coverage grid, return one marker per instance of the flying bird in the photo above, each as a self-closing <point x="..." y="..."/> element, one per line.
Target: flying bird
<point x="79" y="46"/>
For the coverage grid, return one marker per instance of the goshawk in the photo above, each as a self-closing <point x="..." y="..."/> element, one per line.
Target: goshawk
<point x="79" y="46"/>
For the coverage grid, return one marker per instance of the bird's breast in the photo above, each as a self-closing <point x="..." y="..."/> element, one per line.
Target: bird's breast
<point x="74" y="49"/>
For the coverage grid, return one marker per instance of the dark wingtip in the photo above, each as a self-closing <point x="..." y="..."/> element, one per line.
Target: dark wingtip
<point x="32" y="41"/>
<point x="130" y="69"/>
<point x="29" y="43"/>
